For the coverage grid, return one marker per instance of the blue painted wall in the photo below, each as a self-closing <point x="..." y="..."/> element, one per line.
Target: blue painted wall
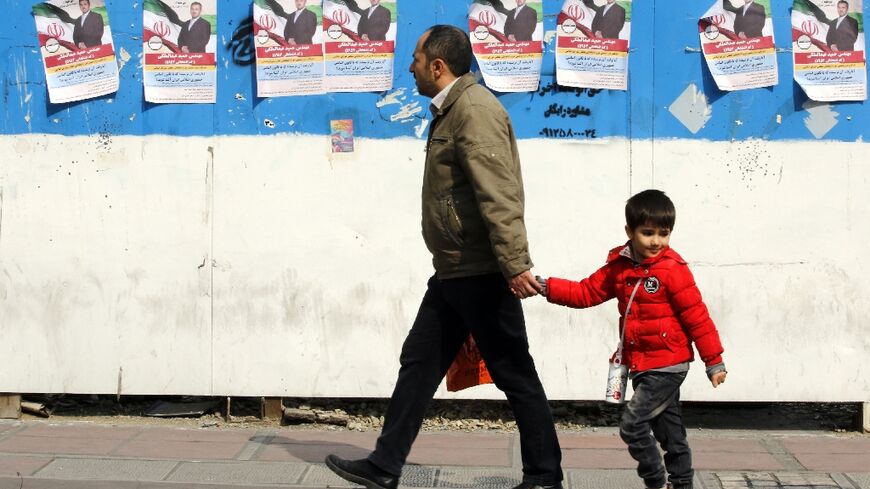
<point x="664" y="61"/>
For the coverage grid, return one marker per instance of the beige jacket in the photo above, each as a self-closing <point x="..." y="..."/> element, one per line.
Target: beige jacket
<point x="473" y="187"/>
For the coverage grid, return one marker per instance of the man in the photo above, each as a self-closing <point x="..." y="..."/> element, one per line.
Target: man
<point x="520" y="22"/>
<point x="473" y="225"/>
<point x="301" y="25"/>
<point x="842" y="31"/>
<point x="749" y="19"/>
<point x="195" y="33"/>
<point x="374" y="22"/>
<point x="609" y="19"/>
<point x="88" y="29"/>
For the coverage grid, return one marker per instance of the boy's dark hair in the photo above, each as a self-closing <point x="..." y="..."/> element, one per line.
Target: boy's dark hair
<point x="451" y="44"/>
<point x="651" y="207"/>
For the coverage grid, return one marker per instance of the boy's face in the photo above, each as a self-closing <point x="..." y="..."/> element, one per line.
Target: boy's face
<point x="648" y="241"/>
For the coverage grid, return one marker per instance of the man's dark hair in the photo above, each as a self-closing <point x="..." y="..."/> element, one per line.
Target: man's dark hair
<point x="196" y="3"/>
<point x="843" y="2"/>
<point x="86" y="1"/>
<point x="650" y="207"/>
<point x="451" y="44"/>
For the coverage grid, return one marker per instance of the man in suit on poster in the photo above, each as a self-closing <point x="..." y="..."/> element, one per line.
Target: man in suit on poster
<point x="520" y="22"/>
<point x="88" y="29"/>
<point x="301" y="23"/>
<point x="609" y="19"/>
<point x="842" y="31"/>
<point x="195" y="33"/>
<point x="374" y="22"/>
<point x="749" y="20"/>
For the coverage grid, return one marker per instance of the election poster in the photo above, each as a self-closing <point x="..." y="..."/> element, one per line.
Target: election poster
<point x="738" y="45"/>
<point x="507" y="40"/>
<point x="830" y="63"/>
<point x="289" y="47"/>
<point x="359" y="44"/>
<point x="77" y="51"/>
<point x="178" y="44"/>
<point x="592" y="41"/>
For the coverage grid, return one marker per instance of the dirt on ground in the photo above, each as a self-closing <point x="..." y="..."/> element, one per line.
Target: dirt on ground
<point x="443" y="415"/>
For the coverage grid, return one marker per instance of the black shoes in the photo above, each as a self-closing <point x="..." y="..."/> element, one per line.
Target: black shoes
<point x="365" y="473"/>
<point x="529" y="485"/>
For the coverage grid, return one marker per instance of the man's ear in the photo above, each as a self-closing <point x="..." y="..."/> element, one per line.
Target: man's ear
<point x="438" y="67"/>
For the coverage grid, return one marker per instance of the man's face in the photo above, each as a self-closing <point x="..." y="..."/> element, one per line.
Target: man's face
<point x="195" y="10"/>
<point x="520" y="3"/>
<point x="85" y="6"/>
<point x="300" y="4"/>
<point x="375" y="3"/>
<point x="422" y="70"/>
<point x="842" y="9"/>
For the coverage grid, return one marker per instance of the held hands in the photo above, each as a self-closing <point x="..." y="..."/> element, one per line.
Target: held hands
<point x="718" y="378"/>
<point x="524" y="285"/>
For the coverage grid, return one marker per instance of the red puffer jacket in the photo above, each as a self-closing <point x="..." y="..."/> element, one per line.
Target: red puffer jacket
<point x="666" y="314"/>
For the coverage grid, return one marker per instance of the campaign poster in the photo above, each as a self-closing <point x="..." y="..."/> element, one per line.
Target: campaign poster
<point x="289" y="47"/>
<point x="359" y="44"/>
<point x="592" y="41"/>
<point x="341" y="135"/>
<point x="507" y="40"/>
<point x="738" y="45"/>
<point x="828" y="49"/>
<point x="77" y="51"/>
<point x="178" y="43"/>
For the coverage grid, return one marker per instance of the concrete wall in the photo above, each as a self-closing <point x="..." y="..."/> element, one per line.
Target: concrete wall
<point x="149" y="249"/>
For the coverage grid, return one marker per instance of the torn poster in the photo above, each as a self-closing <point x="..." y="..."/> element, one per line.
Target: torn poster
<point x="289" y="47"/>
<point x="828" y="45"/>
<point x="507" y="40"/>
<point x="592" y="41"/>
<point x="359" y="44"/>
<point x="180" y="63"/>
<point x="737" y="42"/>
<point x="77" y="51"/>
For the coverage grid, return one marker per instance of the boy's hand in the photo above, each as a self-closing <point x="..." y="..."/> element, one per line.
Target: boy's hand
<point x="718" y="378"/>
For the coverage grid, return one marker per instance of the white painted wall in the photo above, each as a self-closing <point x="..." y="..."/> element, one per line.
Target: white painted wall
<point x="264" y="266"/>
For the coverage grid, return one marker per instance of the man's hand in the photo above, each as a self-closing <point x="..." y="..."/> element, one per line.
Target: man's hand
<point x="524" y="285"/>
<point x="82" y="45"/>
<point x="834" y="47"/>
<point x="184" y="49"/>
<point x="718" y="378"/>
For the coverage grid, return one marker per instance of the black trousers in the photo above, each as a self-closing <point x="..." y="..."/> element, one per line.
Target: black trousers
<point x="654" y="414"/>
<point x="483" y="306"/>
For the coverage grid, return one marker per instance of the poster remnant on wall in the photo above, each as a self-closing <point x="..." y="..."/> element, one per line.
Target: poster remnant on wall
<point x="592" y="41"/>
<point x="289" y="47"/>
<point x="77" y="50"/>
<point x="359" y="44"/>
<point x="178" y="44"/>
<point x="507" y="40"/>
<point x="738" y="45"/>
<point x="830" y="62"/>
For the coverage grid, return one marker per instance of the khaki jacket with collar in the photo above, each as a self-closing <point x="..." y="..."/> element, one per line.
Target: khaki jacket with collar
<point x="473" y="199"/>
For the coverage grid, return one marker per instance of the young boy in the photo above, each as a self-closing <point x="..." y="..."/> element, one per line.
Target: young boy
<point x="667" y="315"/>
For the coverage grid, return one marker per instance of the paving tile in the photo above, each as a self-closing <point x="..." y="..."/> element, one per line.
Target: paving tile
<point x="179" y="450"/>
<point x="314" y="453"/>
<point x="862" y="479"/>
<point x="365" y="439"/>
<point x="194" y="435"/>
<point x="602" y="479"/>
<point x="106" y="469"/>
<point x="463" y="456"/>
<point x="827" y="445"/>
<point x="834" y="462"/>
<point x="490" y="478"/>
<point x="21" y="464"/>
<point x="720" y="445"/>
<point x="579" y="440"/>
<point x="55" y="431"/>
<point x="450" y="441"/>
<point x="239" y="473"/>
<point x="601" y="458"/>
<point x="711" y="460"/>
<point x="19" y="443"/>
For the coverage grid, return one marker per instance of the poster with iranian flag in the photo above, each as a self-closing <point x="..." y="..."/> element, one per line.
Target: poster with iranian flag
<point x="359" y="44"/>
<point x="178" y="46"/>
<point x="77" y="51"/>
<point x="289" y="47"/>
<point x="830" y="63"/>
<point x="507" y="40"/>
<point x="737" y="42"/>
<point x="592" y="40"/>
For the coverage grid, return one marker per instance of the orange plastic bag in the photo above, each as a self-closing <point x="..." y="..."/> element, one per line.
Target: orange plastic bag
<point x="467" y="369"/>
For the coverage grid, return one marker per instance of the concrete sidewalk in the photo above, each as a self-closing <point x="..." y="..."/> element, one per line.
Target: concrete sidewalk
<point x="46" y="455"/>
